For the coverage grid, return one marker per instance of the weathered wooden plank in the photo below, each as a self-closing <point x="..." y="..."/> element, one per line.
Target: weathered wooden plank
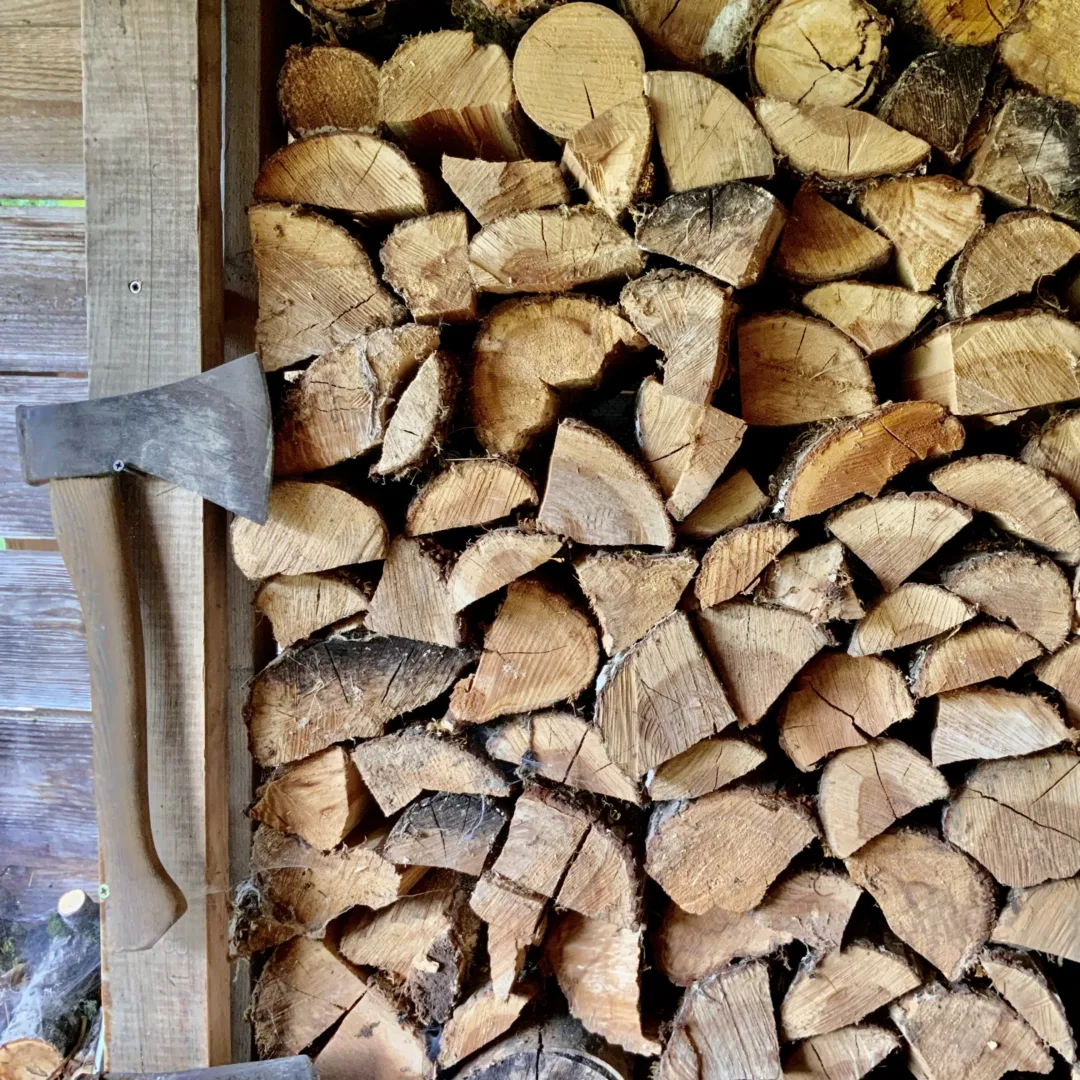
<point x="24" y="510"/>
<point x="42" y="287"/>
<point x="42" y="647"/>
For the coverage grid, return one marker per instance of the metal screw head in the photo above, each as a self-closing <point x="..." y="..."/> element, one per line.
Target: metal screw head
<point x="118" y="465"/>
<point x="135" y="287"/>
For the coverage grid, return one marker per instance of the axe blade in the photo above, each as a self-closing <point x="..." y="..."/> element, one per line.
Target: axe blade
<point x="210" y="434"/>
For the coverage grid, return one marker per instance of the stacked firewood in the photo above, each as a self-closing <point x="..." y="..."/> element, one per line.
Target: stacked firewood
<point x="672" y="541"/>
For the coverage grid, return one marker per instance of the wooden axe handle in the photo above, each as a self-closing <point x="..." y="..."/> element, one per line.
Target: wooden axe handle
<point x="142" y="900"/>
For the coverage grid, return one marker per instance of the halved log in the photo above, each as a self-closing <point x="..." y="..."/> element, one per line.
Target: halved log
<point x="319" y="799"/>
<point x="860" y="456"/>
<point x="317" y="287"/>
<point x="838" y="144"/>
<point x="454" y="832"/>
<point x="1046" y="918"/>
<point x="744" y="223"/>
<point x="328" y="88"/>
<point x="796" y="370"/>
<point x="935" y="898"/>
<point x="469" y="492"/>
<point x="597" y="494"/>
<point x="912" y="613"/>
<point x="343" y="688"/>
<point x="849" y="1052"/>
<point x="604" y="880"/>
<point x="734" y="562"/>
<point x="876" y="317"/>
<point x="962" y="24"/>
<point x="515" y="919"/>
<point x="444" y="93"/>
<point x="496" y="558"/>
<point x="726" y="848"/>
<point x="571" y="341"/>
<point x="687" y="34"/>
<point x="490" y="189"/>
<point x="822" y="243"/>
<point x="972" y="655"/>
<point x="539" y="650"/>
<point x="706" y="766"/>
<point x="1062" y="672"/>
<point x="686" y="446"/>
<point x="1056" y="450"/>
<point x="731" y="503"/>
<point x="541" y="251"/>
<point x="1036" y="50"/>
<point x="863" y="790"/>
<point x="309" y="527"/>
<point x="836" y="702"/>
<point x="813" y="906"/>
<point x="689" y="318"/>
<point x="1019" y="498"/>
<point x="757" y="650"/>
<point x="478" y="1020"/>
<point x="706" y="134"/>
<point x="298" y="605"/>
<point x="1020" y="817"/>
<point x="659" y="697"/>
<point x="368" y="178"/>
<point x="816" y="582"/>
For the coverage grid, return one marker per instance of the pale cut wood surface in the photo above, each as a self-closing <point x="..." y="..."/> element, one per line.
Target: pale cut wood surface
<point x="1043" y="918"/>
<point x="849" y="1053"/>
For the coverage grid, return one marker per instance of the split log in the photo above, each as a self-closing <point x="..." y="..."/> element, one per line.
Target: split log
<point x="813" y="906"/>
<point x="895" y="534"/>
<point x="597" y="494"/>
<point x="630" y="592"/>
<point x="490" y="189"/>
<point x="821" y="243"/>
<point x="303" y="990"/>
<point x="573" y="64"/>
<point x="327" y="88"/>
<point x="731" y="503"/>
<point x="1008" y="258"/>
<point x="1019" y="498"/>
<point x="470" y="492"/>
<point x="972" y="655"/>
<point x="444" y="93"/>
<point x="744" y="223"/>
<point x="608" y="156"/>
<point x="936" y="900"/>
<point x="1062" y="672"/>
<point x="421" y="418"/>
<point x="479" y="1020"/>
<point x="424" y="942"/>
<point x="299" y="605"/>
<point x="863" y="790"/>
<point x="991" y="723"/>
<point x="1043" y="918"/>
<point x="338" y="408"/>
<point x="1036" y="51"/>
<point x="840" y="988"/>
<point x="912" y="613"/>
<point x="690" y="34"/>
<point x="539" y="650"/>
<point x="1030" y="156"/>
<point x="396" y="768"/>
<point x="816" y="582"/>
<point x="571" y="340"/>
<point x="426" y="262"/>
<point x="757" y="651"/>
<point x="848" y="1053"/>
<point x="1056" y="450"/>
<point x="929" y="219"/>
<point x="961" y="24"/>
<point x="452" y="832"/>
<point x="689" y="318"/>
<point x="596" y="965"/>
<point x="819" y="52"/>
<point x="706" y="134"/>
<point x="360" y="175"/>
<point x="963" y="1034"/>
<point x="726" y="848"/>
<point x="343" y="688"/>
<point x="838" y="144"/>
<point x="734" y="562"/>
<point x="658" y="698"/>
<point x="1020" y="818"/>
<point x="495" y="559"/>
<point x="515" y="920"/>
<point x="542" y="251"/>
<point x="796" y="370"/>
<point x="309" y="527"/>
<point x="604" y="880"/>
<point x="686" y="446"/>
<point x="317" y="287"/>
<point x="706" y="766"/>
<point x="565" y="748"/>
<point x="876" y="317"/>
<point x="860" y="456"/>
<point x="320" y="799"/>
<point x="836" y="702"/>
<point x="724" y="1028"/>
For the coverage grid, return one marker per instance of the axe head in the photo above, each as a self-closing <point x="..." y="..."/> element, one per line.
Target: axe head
<point x="210" y="434"/>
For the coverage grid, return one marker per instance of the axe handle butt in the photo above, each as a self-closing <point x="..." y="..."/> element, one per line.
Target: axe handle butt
<point x="142" y="901"/>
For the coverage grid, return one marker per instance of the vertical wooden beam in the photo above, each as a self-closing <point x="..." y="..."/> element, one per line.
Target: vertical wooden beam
<point x="152" y="122"/>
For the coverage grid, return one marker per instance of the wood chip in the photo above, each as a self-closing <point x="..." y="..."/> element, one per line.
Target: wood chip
<point x="490" y="189"/>
<point x="328" y="88"/>
<point x="912" y="613"/>
<point x="876" y="317"/>
<point x="475" y="491"/>
<point x="731" y="503"/>
<point x="496" y="558"/>
<point x="454" y="832"/>
<point x="1043" y="918"/>
<point x="816" y="582"/>
<point x="849" y="1052"/>
<point x="706" y="766"/>
<point x="733" y="562"/>
<point x="972" y="655"/>
<point x="298" y="605"/>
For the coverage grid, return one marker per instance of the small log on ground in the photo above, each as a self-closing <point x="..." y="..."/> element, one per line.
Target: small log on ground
<point x="865" y="789"/>
<point x="1037" y="52"/>
<point x="299" y="605"/>
<point x="972" y="655"/>
<point x="1062" y="672"/>
<point x="849" y="1053"/>
<point x="912" y="613"/>
<point x="478" y="1020"/>
<point x="451" y="832"/>
<point x="515" y="921"/>
<point x="475" y="491"/>
<point x="988" y="722"/>
<point x="490" y="189"/>
<point x="1046" y="919"/>
<point x="734" y="562"/>
<point x="604" y="880"/>
<point x="496" y="558"/>
<point x="816" y="582"/>
<point x="876" y="317"/>
<point x="706" y="766"/>
<point x="328" y="88"/>
<point x="1056" y="450"/>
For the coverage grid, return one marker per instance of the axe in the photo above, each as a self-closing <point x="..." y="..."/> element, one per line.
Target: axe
<point x="211" y="435"/>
